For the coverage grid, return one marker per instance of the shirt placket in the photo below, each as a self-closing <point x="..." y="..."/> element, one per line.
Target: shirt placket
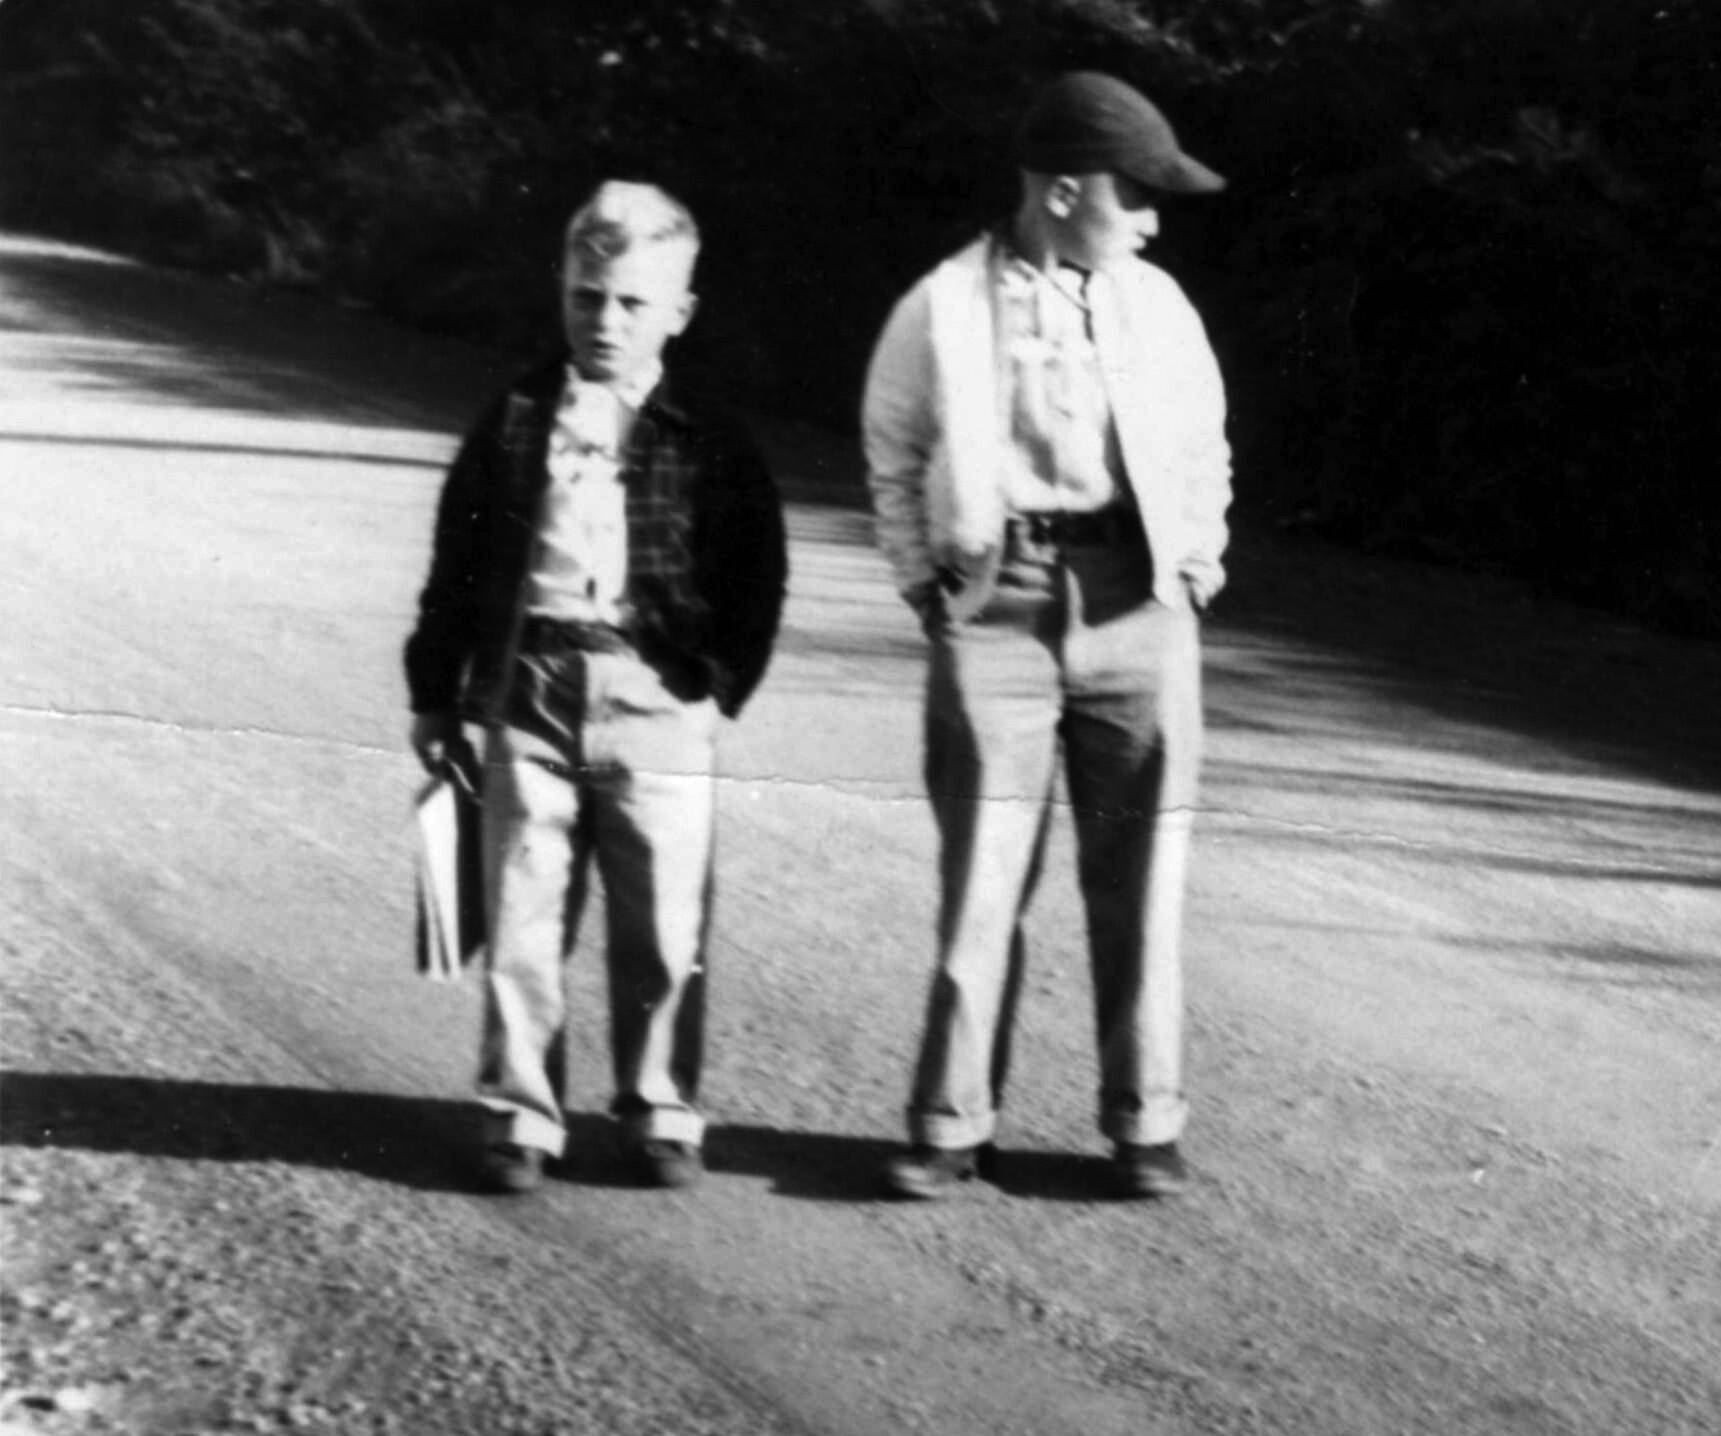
<point x="1069" y="379"/>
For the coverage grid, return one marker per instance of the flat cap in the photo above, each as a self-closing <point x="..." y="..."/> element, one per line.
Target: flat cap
<point x="1088" y="123"/>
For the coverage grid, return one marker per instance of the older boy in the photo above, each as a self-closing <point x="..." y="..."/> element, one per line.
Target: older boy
<point x="1045" y="433"/>
<point x="607" y="578"/>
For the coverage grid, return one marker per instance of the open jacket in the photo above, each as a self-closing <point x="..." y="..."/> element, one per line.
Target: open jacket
<point x="707" y="562"/>
<point x="933" y="426"/>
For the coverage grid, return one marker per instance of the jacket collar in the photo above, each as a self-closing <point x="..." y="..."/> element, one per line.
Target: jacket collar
<point x="542" y="384"/>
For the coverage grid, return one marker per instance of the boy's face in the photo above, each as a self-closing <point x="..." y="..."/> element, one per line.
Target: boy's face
<point x="1108" y="219"/>
<point x="619" y="313"/>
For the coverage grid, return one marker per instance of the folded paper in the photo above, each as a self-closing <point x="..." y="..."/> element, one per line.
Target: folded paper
<point x="450" y="873"/>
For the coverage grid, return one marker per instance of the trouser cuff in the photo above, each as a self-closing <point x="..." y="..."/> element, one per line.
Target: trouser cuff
<point x="927" y="1129"/>
<point x="1160" y="1120"/>
<point x="665" y="1124"/>
<point x="504" y="1122"/>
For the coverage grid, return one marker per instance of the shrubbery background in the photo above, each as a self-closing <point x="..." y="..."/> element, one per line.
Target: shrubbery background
<point x="1464" y="283"/>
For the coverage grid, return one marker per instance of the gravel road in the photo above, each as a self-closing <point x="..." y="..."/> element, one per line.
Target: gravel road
<point x="1455" y="951"/>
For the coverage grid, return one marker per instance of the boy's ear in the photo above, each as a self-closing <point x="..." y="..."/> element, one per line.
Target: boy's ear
<point x="1062" y="196"/>
<point x="689" y="306"/>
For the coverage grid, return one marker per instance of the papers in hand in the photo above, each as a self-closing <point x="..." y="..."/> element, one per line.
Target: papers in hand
<point x="450" y="872"/>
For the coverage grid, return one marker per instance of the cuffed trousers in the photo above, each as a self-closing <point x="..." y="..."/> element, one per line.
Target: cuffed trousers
<point x="1071" y="652"/>
<point x="597" y="761"/>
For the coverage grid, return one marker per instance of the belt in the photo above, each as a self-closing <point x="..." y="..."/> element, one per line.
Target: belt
<point x="545" y="636"/>
<point x="1097" y="528"/>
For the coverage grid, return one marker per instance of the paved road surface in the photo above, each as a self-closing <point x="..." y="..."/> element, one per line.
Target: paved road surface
<point x="1455" y="975"/>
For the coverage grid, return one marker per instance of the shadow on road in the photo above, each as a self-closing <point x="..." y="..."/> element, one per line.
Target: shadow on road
<point x="192" y="341"/>
<point x="421" y="1142"/>
<point x="829" y="1166"/>
<point x="414" y="1142"/>
<point x="426" y="1143"/>
<point x="814" y="1166"/>
<point x="1479" y="654"/>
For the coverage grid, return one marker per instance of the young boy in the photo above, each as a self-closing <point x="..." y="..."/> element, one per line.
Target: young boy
<point x="607" y="579"/>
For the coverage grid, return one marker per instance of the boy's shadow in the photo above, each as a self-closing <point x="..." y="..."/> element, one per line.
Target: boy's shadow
<point x="810" y="1166"/>
<point x="425" y="1143"/>
<point x="428" y="1143"/>
<point x="826" y="1166"/>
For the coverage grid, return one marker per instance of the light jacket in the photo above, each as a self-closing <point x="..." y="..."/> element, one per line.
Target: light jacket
<point x="934" y="422"/>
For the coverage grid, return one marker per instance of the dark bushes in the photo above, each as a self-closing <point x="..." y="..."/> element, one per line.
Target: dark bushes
<point x="1463" y="283"/>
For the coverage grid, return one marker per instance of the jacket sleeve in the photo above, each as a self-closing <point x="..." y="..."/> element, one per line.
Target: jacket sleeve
<point x="1205" y="461"/>
<point x="442" y="642"/>
<point x="743" y="546"/>
<point x="899" y="428"/>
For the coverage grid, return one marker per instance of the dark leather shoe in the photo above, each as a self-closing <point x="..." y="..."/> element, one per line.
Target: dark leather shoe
<point x="662" y="1163"/>
<point x="1150" y="1171"/>
<point x="928" y="1173"/>
<point x="510" y="1168"/>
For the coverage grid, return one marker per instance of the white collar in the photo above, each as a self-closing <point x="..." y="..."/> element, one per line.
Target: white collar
<point x="633" y="391"/>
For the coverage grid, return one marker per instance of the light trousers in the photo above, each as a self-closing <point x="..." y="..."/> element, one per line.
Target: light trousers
<point x="1070" y="653"/>
<point x="597" y="761"/>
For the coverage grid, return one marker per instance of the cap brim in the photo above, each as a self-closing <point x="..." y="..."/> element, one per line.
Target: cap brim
<point x="1178" y="175"/>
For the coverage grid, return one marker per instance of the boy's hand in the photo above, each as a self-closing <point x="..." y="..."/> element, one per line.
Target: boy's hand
<point x="1201" y="589"/>
<point x="435" y="736"/>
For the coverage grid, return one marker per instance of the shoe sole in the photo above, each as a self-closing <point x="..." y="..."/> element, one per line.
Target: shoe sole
<point x="673" y="1172"/>
<point x="932" y="1189"/>
<point x="909" y="1184"/>
<point x="925" y="1191"/>
<point x="1152" y="1188"/>
<point x="514" y="1182"/>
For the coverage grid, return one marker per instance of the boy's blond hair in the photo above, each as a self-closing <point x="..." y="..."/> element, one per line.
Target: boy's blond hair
<point x="622" y="215"/>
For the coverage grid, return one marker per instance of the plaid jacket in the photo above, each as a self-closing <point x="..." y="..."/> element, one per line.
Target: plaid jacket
<point x="707" y="562"/>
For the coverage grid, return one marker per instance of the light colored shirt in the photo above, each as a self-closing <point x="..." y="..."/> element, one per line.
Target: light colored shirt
<point x="1063" y="454"/>
<point x="580" y="571"/>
